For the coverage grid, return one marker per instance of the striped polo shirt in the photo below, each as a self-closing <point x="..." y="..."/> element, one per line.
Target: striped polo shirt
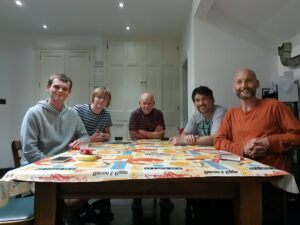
<point x="93" y="121"/>
<point x="146" y="122"/>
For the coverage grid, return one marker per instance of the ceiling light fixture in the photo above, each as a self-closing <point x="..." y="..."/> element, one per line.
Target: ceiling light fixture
<point x="18" y="2"/>
<point x="121" y="4"/>
<point x="45" y="26"/>
<point x="128" y="28"/>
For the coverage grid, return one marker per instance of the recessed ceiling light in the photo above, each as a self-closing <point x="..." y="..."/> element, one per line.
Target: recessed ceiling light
<point x="45" y="26"/>
<point x="18" y="2"/>
<point x="121" y="4"/>
<point x="127" y="27"/>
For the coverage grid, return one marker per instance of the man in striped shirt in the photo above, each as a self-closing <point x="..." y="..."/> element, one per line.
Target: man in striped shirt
<point x="95" y="116"/>
<point x="97" y="121"/>
<point x="147" y="122"/>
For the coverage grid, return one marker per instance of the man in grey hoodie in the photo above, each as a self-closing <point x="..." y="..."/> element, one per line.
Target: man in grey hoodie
<point x="50" y="127"/>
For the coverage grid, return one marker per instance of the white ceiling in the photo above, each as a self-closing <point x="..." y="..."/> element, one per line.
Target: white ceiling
<point x="271" y="21"/>
<point x="94" y="17"/>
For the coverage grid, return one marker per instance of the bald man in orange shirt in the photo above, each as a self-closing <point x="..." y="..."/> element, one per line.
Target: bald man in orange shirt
<point x="259" y="129"/>
<point x="263" y="130"/>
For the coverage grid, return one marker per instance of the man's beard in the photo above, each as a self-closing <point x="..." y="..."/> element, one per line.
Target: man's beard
<point x="249" y="94"/>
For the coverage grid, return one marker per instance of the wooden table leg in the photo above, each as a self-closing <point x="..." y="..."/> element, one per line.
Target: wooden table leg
<point x="45" y="203"/>
<point x="249" y="205"/>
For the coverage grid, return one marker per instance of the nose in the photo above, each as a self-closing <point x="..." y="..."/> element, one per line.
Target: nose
<point x="243" y="84"/>
<point x="201" y="102"/>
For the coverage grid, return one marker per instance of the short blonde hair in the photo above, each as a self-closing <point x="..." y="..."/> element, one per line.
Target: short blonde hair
<point x="102" y="91"/>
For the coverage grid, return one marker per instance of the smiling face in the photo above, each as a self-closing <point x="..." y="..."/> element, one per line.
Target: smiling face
<point x="204" y="104"/>
<point x="58" y="91"/>
<point x="245" y="84"/>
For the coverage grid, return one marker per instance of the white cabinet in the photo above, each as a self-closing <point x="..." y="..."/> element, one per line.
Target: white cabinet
<point x="75" y="64"/>
<point x="136" y="67"/>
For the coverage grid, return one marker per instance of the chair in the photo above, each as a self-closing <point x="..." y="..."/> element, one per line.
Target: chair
<point x="276" y="202"/>
<point x="16" y="146"/>
<point x="19" y="210"/>
<point x="285" y="198"/>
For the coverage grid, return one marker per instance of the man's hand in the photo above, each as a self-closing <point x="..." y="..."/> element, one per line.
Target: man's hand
<point x="159" y="128"/>
<point x="142" y="134"/>
<point x="257" y="147"/>
<point x="75" y="145"/>
<point x="99" y="136"/>
<point x="190" y="139"/>
<point x="175" y="140"/>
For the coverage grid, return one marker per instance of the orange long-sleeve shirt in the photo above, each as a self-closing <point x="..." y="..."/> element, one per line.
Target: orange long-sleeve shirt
<point x="269" y="118"/>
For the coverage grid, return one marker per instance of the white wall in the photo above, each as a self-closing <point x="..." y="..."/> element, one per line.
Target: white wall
<point x="295" y="51"/>
<point x="187" y="52"/>
<point x="218" y="55"/>
<point x="17" y="76"/>
<point x="214" y="55"/>
<point x="17" y="70"/>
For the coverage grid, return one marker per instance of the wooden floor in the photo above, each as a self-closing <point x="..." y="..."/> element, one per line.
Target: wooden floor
<point x="151" y="216"/>
<point x="151" y="213"/>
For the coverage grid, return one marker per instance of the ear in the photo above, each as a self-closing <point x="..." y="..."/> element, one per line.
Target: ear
<point x="258" y="84"/>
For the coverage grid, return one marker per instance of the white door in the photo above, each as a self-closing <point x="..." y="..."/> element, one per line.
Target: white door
<point x="49" y="63"/>
<point x="78" y="68"/>
<point x="170" y="88"/>
<point x="76" y="65"/>
<point x="153" y="72"/>
<point x="125" y="82"/>
<point x="135" y="67"/>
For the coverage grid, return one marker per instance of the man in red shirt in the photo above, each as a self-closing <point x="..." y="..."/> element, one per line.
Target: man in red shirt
<point x="263" y="130"/>
<point x="259" y="129"/>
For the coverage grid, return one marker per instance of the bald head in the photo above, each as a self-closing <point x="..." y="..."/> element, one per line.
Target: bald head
<point x="245" y="84"/>
<point x="147" y="102"/>
<point x="245" y="72"/>
<point x="147" y="96"/>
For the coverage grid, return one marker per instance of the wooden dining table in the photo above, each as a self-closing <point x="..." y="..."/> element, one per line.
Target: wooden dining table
<point x="148" y="169"/>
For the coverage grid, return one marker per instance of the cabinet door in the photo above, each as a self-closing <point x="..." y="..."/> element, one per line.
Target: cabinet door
<point x="135" y="80"/>
<point x="170" y="87"/>
<point x="153" y="72"/>
<point x="125" y="82"/>
<point x="136" y="67"/>
<point x="117" y="79"/>
<point x="78" y="68"/>
<point x="76" y="65"/>
<point x="50" y="63"/>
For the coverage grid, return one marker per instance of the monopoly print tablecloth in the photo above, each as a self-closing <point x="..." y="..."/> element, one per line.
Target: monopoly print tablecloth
<point x="144" y="159"/>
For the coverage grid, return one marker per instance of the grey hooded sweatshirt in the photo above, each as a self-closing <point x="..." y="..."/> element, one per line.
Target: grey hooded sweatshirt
<point x="46" y="132"/>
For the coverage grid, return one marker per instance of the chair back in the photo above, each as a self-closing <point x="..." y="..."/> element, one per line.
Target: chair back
<point x="289" y="155"/>
<point x="19" y="210"/>
<point x="16" y="146"/>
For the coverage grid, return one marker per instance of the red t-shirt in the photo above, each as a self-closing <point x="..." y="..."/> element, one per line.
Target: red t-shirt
<point x="269" y="118"/>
